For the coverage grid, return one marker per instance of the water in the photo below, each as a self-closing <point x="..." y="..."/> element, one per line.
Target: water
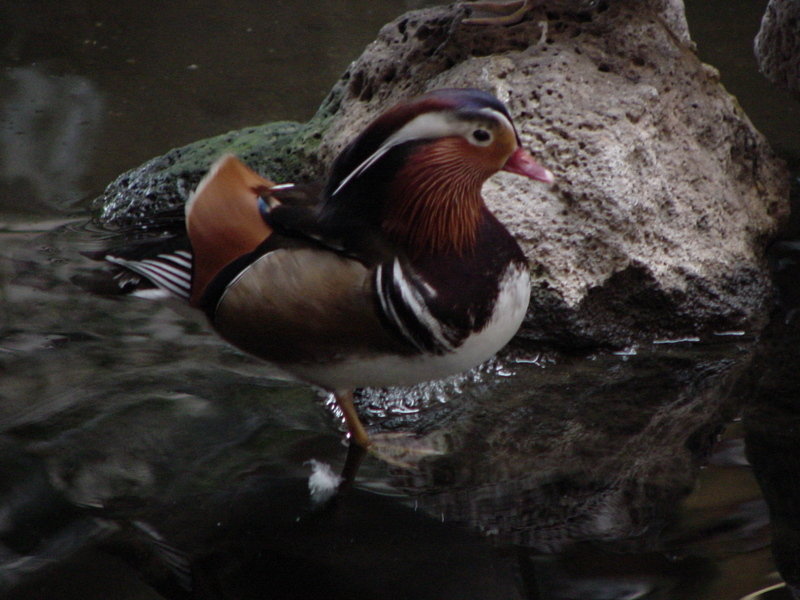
<point x="138" y="453"/>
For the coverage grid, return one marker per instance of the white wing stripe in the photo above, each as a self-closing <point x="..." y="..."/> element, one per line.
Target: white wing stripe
<point x="416" y="302"/>
<point x="163" y="275"/>
<point x="180" y="276"/>
<point x="162" y="280"/>
<point x="184" y="262"/>
<point x="389" y="310"/>
<point x="404" y="304"/>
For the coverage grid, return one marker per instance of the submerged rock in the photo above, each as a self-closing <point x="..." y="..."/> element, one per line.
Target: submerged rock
<point x="665" y="194"/>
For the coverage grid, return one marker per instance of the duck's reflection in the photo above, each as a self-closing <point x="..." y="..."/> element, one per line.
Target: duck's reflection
<point x="602" y="449"/>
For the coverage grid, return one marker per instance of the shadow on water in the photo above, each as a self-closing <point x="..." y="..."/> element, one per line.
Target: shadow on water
<point x="140" y="457"/>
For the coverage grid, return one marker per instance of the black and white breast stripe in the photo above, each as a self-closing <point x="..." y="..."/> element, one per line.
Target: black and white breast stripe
<point x="404" y="303"/>
<point x="171" y="272"/>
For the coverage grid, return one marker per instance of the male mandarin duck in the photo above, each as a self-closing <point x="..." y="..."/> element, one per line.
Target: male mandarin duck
<point x="397" y="273"/>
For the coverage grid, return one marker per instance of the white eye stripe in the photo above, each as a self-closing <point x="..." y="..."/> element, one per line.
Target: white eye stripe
<point x="426" y="126"/>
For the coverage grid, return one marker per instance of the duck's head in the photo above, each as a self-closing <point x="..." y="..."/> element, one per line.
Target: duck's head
<point x="418" y="169"/>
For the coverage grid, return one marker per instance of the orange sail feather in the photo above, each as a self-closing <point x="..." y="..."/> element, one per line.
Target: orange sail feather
<point x="223" y="219"/>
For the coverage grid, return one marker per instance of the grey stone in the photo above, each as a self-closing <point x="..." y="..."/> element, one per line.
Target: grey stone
<point x="777" y="44"/>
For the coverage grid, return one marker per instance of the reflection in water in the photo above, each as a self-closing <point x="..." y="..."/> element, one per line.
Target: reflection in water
<point x="47" y="129"/>
<point x="600" y="450"/>
<point x="592" y="469"/>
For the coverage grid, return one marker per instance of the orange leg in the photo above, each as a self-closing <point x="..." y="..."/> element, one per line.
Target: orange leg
<point x="344" y="398"/>
<point x="402" y="450"/>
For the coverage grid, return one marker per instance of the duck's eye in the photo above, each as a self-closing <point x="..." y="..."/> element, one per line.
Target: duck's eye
<point x="481" y="137"/>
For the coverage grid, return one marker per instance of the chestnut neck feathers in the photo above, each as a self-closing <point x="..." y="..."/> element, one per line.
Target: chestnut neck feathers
<point x="416" y="173"/>
<point x="434" y="206"/>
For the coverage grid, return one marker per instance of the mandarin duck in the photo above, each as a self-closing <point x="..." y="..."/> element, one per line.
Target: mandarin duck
<point x="393" y="273"/>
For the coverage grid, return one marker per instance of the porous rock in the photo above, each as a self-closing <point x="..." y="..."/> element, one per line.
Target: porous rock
<point x="778" y="44"/>
<point x="665" y="194"/>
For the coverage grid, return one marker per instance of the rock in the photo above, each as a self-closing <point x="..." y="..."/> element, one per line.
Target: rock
<point x="665" y="194"/>
<point x="167" y="181"/>
<point x="778" y="44"/>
